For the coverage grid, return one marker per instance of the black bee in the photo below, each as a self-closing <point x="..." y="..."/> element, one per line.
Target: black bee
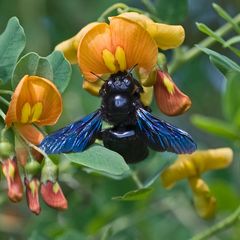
<point x="133" y="130"/>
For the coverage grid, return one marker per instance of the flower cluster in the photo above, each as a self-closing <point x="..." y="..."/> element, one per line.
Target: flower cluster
<point x="36" y="102"/>
<point x="103" y="49"/>
<point x="191" y="167"/>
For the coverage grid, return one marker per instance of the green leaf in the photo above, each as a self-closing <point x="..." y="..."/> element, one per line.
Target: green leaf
<point x="61" y="70"/>
<point x="100" y="159"/>
<point x="222" y="13"/>
<point x="32" y="64"/>
<point x="135" y="195"/>
<point x="225" y="62"/>
<point x="232" y="41"/>
<point x="172" y="11"/>
<point x="205" y="29"/>
<point x="215" y="126"/>
<point x="231" y="98"/>
<point x="12" y="43"/>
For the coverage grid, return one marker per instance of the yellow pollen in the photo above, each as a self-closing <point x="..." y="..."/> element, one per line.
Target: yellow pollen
<point x="109" y="60"/>
<point x="56" y="188"/>
<point x="121" y="58"/>
<point x="36" y="111"/>
<point x="31" y="114"/>
<point x="168" y="84"/>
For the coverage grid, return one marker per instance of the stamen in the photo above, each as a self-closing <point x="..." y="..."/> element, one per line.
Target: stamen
<point x="121" y="58"/>
<point x="109" y="60"/>
<point x="26" y="111"/>
<point x="36" y="111"/>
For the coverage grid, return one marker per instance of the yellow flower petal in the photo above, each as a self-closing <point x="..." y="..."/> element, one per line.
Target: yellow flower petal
<point x="35" y="99"/>
<point x="210" y="159"/>
<point x="166" y="36"/>
<point x="93" y="88"/>
<point x="204" y="202"/>
<point x="179" y="170"/>
<point x="147" y="96"/>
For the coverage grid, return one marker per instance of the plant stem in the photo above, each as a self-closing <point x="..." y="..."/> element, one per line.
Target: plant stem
<point x="4" y="101"/>
<point x="2" y="114"/>
<point x="136" y="179"/>
<point x="220" y="226"/>
<point x="111" y="9"/>
<point x="149" y="5"/>
<point x="8" y="92"/>
<point x="179" y="60"/>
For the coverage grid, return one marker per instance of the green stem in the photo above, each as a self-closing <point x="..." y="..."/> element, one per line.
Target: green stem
<point x="2" y="114"/>
<point x="179" y="60"/>
<point x="8" y="92"/>
<point x="111" y="9"/>
<point x="4" y="101"/>
<point x="149" y="5"/>
<point x="220" y="226"/>
<point x="136" y="179"/>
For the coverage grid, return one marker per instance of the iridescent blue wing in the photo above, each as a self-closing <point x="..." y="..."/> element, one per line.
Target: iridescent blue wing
<point x="75" y="137"/>
<point x="162" y="136"/>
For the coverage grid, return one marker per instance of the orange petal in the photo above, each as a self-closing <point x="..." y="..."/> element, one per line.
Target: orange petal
<point x="94" y="41"/>
<point x="70" y="46"/>
<point x="138" y="45"/>
<point x="41" y="95"/>
<point x="166" y="36"/>
<point x="204" y="202"/>
<point x="170" y="100"/>
<point x="30" y="133"/>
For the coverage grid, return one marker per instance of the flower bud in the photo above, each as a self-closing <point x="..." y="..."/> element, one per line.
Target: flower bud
<point x="15" y="186"/>
<point x="32" y="188"/>
<point x="32" y="167"/>
<point x="6" y="149"/>
<point x="53" y="196"/>
<point x="170" y="100"/>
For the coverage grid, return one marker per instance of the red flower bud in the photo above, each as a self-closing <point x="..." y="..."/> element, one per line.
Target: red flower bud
<point x="170" y="100"/>
<point x="32" y="188"/>
<point x="15" y="186"/>
<point x="53" y="196"/>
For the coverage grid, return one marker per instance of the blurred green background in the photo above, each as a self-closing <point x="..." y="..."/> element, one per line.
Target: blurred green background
<point x="92" y="212"/>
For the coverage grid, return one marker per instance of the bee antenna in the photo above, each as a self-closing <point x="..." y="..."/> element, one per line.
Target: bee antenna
<point x="99" y="77"/>
<point x="131" y="69"/>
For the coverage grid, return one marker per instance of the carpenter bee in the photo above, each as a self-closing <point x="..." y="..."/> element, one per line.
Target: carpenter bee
<point x="133" y="128"/>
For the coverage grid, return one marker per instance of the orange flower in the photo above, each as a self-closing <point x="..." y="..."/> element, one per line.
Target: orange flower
<point x="117" y="46"/>
<point x="170" y="99"/>
<point x="36" y="100"/>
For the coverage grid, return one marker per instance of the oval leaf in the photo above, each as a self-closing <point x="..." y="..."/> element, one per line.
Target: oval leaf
<point x="32" y="64"/>
<point x="12" y="43"/>
<point x="135" y="195"/>
<point x="101" y="159"/>
<point x="215" y="126"/>
<point x="61" y="70"/>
